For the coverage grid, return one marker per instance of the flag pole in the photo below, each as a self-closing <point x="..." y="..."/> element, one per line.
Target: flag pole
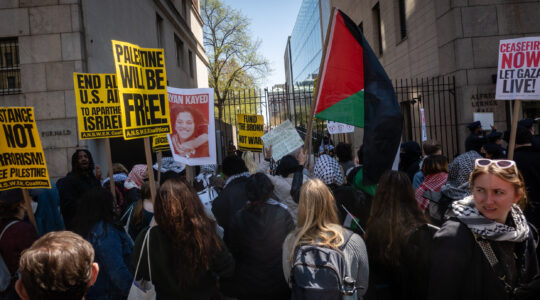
<point x="307" y="141"/>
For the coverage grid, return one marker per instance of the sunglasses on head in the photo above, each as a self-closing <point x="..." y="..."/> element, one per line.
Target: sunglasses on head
<point x="501" y="163"/>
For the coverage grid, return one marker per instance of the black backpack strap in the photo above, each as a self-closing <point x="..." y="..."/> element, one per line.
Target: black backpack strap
<point x="347" y="234"/>
<point x="490" y="256"/>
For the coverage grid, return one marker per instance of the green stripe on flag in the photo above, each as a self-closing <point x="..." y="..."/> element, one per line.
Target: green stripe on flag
<point x="348" y="111"/>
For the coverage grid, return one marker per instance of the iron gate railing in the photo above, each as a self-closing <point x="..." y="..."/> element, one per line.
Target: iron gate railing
<point x="436" y="96"/>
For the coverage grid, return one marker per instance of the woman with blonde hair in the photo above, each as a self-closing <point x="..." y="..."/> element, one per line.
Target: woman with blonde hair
<point x="486" y="249"/>
<point x="318" y="227"/>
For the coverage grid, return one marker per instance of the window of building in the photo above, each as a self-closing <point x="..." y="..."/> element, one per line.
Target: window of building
<point x="179" y="51"/>
<point x="402" y="19"/>
<point x="361" y="27"/>
<point x="376" y="12"/>
<point x="10" y="73"/>
<point x="159" y="30"/>
<point x="191" y="64"/>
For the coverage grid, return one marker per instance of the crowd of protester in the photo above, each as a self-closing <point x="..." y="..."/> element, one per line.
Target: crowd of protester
<point x="280" y="230"/>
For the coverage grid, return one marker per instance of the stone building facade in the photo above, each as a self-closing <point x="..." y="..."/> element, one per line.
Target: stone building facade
<point x="48" y="40"/>
<point x="425" y="38"/>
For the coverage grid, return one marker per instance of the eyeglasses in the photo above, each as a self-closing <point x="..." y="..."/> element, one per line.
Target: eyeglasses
<point x="501" y="163"/>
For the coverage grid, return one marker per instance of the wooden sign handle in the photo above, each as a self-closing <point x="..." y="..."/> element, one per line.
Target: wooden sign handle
<point x="110" y="167"/>
<point x="515" y="115"/>
<point x="28" y="205"/>
<point x="149" y="169"/>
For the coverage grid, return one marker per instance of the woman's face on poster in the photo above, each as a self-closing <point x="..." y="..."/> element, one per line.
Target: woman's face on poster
<point x="185" y="125"/>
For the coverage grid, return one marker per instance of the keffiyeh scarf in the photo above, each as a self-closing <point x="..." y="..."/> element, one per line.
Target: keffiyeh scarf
<point x="169" y="164"/>
<point x="136" y="177"/>
<point x="469" y="215"/>
<point x="244" y="174"/>
<point x="327" y="169"/>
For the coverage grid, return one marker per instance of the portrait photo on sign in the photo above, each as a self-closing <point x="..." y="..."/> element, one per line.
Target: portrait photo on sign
<point x="192" y="138"/>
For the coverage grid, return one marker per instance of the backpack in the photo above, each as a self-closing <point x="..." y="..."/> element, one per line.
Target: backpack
<point x="5" y="276"/>
<point x="317" y="272"/>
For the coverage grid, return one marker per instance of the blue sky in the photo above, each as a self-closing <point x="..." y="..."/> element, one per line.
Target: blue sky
<point x="272" y="21"/>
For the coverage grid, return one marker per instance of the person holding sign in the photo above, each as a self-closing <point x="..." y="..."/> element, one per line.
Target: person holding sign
<point x="190" y="133"/>
<point x="76" y="183"/>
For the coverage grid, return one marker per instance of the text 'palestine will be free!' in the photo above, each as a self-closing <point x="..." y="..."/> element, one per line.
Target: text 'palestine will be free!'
<point x="142" y="85"/>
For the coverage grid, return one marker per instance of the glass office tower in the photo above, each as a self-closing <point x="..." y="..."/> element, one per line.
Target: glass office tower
<point x="306" y="43"/>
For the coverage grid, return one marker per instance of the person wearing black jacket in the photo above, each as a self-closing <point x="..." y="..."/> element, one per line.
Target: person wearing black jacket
<point x="486" y="249"/>
<point x="255" y="239"/>
<point x="527" y="159"/>
<point x="232" y="198"/>
<point x="76" y="183"/>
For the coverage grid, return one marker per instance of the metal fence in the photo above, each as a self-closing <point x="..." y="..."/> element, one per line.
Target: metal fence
<point x="435" y="99"/>
<point x="434" y="96"/>
<point x="276" y="105"/>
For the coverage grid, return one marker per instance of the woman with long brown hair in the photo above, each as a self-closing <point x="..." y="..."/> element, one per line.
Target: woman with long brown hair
<point x="396" y="236"/>
<point x="186" y="253"/>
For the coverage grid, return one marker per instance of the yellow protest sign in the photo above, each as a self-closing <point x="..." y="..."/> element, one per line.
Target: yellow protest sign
<point x="250" y="130"/>
<point x="160" y="143"/>
<point x="98" y="108"/>
<point x="142" y="85"/>
<point x="22" y="162"/>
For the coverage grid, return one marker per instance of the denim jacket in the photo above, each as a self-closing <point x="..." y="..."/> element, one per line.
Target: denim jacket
<point x="112" y="253"/>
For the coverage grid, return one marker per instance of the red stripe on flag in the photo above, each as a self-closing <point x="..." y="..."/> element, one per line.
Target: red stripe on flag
<point x="343" y="68"/>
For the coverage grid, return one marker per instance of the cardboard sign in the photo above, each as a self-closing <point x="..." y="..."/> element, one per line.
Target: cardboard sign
<point x="193" y="137"/>
<point x="142" y="84"/>
<point x="98" y="109"/>
<point x="284" y="140"/>
<point x="160" y="143"/>
<point x="424" y="131"/>
<point x="250" y="131"/>
<point x="486" y="120"/>
<point x="336" y="128"/>
<point x="518" y="74"/>
<point x="22" y="162"/>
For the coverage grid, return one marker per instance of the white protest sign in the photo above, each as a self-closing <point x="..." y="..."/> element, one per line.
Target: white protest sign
<point x="193" y="140"/>
<point x="486" y="119"/>
<point x="284" y="139"/>
<point x="518" y="74"/>
<point x="424" y="131"/>
<point x="335" y="127"/>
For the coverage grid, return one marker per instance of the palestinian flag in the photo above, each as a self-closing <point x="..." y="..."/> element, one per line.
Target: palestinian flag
<point x="354" y="89"/>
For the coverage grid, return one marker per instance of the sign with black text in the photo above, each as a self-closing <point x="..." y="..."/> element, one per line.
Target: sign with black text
<point x="142" y="85"/>
<point x="518" y="74"/>
<point x="98" y="108"/>
<point x="160" y="143"/>
<point x="22" y="162"/>
<point x="250" y="131"/>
